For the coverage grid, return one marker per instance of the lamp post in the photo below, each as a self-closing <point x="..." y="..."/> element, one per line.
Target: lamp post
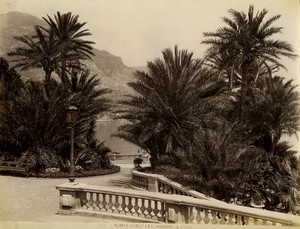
<point x="72" y="113"/>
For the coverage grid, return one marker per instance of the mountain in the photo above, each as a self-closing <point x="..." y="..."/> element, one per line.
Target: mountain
<point x="108" y="67"/>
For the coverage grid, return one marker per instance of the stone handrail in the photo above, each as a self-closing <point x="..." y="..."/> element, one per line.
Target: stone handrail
<point x="13" y="166"/>
<point x="158" y="207"/>
<point x="161" y="184"/>
<point x="114" y="157"/>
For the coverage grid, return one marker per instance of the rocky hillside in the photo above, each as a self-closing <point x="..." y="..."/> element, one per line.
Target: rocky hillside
<point x="109" y="68"/>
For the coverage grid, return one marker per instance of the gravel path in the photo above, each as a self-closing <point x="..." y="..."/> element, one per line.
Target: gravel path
<point x="36" y="199"/>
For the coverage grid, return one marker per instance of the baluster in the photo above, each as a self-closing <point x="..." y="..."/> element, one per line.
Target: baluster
<point x="214" y="217"/>
<point x="143" y="208"/>
<point x="161" y="211"/>
<point x="104" y="203"/>
<point x="130" y="206"/>
<point x="149" y="208"/>
<point x="158" y="185"/>
<point x="231" y="220"/>
<point x="123" y="205"/>
<point x="91" y="201"/>
<point x="117" y="204"/>
<point x="165" y="189"/>
<point x="137" y="207"/>
<point x="206" y="217"/>
<point x="155" y="210"/>
<point x="84" y="201"/>
<point x="88" y="198"/>
<point x="110" y="204"/>
<point x="222" y="218"/>
<point x="198" y="217"/>
<point x="246" y="220"/>
<point x="191" y="216"/>
<point x="97" y="202"/>
<point x="161" y="189"/>
<point x="238" y="220"/>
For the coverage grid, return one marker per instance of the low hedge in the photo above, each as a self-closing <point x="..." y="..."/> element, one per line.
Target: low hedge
<point x="98" y="172"/>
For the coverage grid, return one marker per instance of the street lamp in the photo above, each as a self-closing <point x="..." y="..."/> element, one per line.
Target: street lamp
<point x="72" y="113"/>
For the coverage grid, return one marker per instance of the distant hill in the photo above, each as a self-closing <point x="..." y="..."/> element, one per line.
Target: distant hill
<point x="109" y="68"/>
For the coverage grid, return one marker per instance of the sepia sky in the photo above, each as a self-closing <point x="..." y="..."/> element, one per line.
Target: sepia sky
<point x="138" y="30"/>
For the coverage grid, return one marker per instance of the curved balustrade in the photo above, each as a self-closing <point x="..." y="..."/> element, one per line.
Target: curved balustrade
<point x="86" y="199"/>
<point x="114" y="157"/>
<point x="159" y="183"/>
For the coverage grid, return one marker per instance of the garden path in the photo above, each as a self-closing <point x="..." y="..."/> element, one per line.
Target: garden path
<point x="36" y="199"/>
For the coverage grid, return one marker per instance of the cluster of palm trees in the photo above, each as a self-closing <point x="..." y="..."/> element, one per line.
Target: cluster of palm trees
<point x="217" y="124"/>
<point x="57" y="48"/>
<point x="33" y="119"/>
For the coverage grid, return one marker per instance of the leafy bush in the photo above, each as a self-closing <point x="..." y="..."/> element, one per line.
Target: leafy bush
<point x="40" y="158"/>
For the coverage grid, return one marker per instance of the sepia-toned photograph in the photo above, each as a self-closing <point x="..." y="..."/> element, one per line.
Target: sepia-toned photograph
<point x="162" y="114"/>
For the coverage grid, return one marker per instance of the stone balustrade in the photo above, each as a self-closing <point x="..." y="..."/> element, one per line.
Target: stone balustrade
<point x="161" y="184"/>
<point x="13" y="166"/>
<point x="84" y="199"/>
<point x="114" y="157"/>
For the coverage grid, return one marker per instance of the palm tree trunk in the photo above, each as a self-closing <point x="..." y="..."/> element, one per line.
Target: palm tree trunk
<point x="243" y="97"/>
<point x="231" y="78"/>
<point x="63" y="72"/>
<point x="63" y="68"/>
<point x="48" y="76"/>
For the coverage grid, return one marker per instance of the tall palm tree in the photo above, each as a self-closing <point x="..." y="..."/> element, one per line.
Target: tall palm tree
<point x="246" y="44"/>
<point x="69" y="35"/>
<point x="168" y="104"/>
<point x="40" y="51"/>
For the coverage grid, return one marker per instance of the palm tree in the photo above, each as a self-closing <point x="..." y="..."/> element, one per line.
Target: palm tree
<point x="244" y="45"/>
<point x="40" y="51"/>
<point x="90" y="101"/>
<point x="273" y="177"/>
<point x="210" y="166"/>
<point x="168" y="104"/>
<point x="274" y="111"/>
<point x="68" y="33"/>
<point x="33" y="120"/>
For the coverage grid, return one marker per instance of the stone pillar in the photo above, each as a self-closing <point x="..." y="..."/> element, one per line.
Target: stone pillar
<point x="177" y="213"/>
<point x="67" y="200"/>
<point x="152" y="184"/>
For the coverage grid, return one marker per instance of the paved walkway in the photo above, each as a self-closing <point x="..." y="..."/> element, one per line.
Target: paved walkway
<point x="36" y="199"/>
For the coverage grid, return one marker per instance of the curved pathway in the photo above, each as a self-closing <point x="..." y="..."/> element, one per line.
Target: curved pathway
<point x="36" y="199"/>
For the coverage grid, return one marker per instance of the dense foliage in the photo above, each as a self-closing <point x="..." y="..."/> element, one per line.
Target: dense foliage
<point x="172" y="101"/>
<point x="217" y="125"/>
<point x="33" y="126"/>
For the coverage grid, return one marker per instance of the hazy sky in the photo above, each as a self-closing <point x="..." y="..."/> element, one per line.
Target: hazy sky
<point x="138" y="30"/>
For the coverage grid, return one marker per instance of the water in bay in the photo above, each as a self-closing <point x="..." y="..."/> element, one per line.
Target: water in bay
<point x="104" y="131"/>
